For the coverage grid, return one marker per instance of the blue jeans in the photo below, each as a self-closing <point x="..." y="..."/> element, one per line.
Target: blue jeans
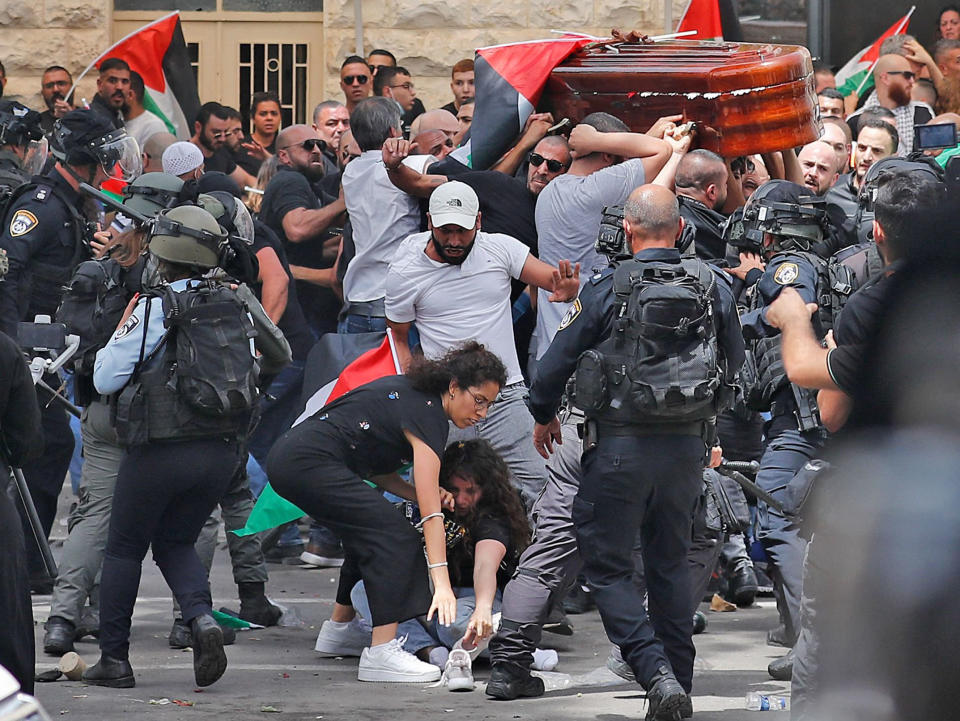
<point x="352" y="323"/>
<point x="430" y="633"/>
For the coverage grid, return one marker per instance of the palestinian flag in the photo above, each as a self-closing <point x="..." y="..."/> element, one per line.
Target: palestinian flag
<point x="158" y="52"/>
<point x="702" y="16"/>
<point x="855" y="76"/>
<point x="509" y="81"/>
<point x="336" y="364"/>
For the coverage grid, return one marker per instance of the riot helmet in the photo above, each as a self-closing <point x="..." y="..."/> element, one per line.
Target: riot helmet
<point x="152" y="192"/>
<point x="85" y="137"/>
<point x="883" y="170"/>
<point x="232" y="215"/>
<point x="795" y="218"/>
<point x="187" y="235"/>
<point x="20" y="127"/>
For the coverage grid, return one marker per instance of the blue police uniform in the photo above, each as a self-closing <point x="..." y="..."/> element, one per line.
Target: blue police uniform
<point x="42" y="240"/>
<point x="647" y="479"/>
<point x="788" y="447"/>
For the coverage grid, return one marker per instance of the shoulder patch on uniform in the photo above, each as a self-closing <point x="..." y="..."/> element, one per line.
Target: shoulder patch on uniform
<point x="786" y="274"/>
<point x="22" y="222"/>
<point x="124" y="330"/>
<point x="571" y="314"/>
<point x="42" y="194"/>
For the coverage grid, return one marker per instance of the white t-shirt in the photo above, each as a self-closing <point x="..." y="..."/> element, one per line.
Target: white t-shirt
<point x="143" y="126"/>
<point x="454" y="303"/>
<point x="382" y="215"/>
<point x="568" y="221"/>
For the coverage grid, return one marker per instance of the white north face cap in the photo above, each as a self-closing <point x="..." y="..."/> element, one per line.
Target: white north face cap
<point x="454" y="203"/>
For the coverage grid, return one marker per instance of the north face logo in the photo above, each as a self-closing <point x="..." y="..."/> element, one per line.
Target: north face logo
<point x="455" y="202"/>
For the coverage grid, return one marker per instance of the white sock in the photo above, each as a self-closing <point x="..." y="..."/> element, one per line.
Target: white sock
<point x="545" y="659"/>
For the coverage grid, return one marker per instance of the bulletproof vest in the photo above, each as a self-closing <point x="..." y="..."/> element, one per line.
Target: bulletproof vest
<point x="46" y="281"/>
<point x="661" y="363"/>
<point x="769" y="376"/>
<point x="92" y="306"/>
<point x="847" y="270"/>
<point x="201" y="381"/>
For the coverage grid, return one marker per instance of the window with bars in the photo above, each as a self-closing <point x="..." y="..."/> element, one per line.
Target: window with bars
<point x="280" y="68"/>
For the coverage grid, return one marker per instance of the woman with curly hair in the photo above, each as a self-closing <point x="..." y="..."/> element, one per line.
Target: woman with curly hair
<point x="369" y="433"/>
<point x="490" y="510"/>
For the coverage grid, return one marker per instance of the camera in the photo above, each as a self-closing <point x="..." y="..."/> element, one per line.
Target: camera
<point x="611" y="240"/>
<point x="932" y="137"/>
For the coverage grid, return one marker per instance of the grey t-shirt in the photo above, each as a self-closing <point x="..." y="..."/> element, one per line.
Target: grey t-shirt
<point x="568" y="220"/>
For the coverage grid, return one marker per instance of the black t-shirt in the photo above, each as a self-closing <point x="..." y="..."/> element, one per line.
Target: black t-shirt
<point x="220" y="162"/>
<point x="292" y="322"/>
<point x="506" y="204"/>
<point x="366" y="426"/>
<point x="855" y="326"/>
<point x="289" y="190"/>
<point x="487" y="528"/>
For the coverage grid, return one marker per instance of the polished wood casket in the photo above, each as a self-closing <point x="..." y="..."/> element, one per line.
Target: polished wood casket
<point x="745" y="98"/>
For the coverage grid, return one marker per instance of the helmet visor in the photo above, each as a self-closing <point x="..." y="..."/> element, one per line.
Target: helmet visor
<point x="35" y="156"/>
<point x="242" y="222"/>
<point x="119" y="155"/>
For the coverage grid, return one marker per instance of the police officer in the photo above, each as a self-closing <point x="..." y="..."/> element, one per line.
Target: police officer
<point x="646" y="440"/>
<point x="179" y="460"/>
<point x="23" y="149"/>
<point x="96" y="286"/>
<point x="783" y="222"/>
<point x="45" y="236"/>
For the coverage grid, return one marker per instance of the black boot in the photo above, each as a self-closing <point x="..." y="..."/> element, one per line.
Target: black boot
<point x="666" y="698"/>
<point x="181" y="636"/>
<point x="255" y="607"/>
<point x="59" y="636"/>
<point x="209" y="660"/>
<point x="509" y="681"/>
<point x="743" y="586"/>
<point x="781" y="668"/>
<point x="110" y="672"/>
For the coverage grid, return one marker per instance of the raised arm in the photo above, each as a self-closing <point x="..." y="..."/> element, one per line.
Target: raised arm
<point x="419" y="185"/>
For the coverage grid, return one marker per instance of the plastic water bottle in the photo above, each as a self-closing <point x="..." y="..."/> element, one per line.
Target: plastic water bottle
<point x="758" y="702"/>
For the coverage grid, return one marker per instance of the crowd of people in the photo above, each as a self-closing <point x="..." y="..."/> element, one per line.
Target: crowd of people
<point x="600" y="338"/>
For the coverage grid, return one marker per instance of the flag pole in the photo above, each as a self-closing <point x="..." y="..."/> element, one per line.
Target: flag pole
<point x="903" y="23"/>
<point x="121" y="40"/>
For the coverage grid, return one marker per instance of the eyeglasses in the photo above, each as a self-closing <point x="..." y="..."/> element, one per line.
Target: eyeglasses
<point x="554" y="166"/>
<point x="406" y="86"/>
<point x="226" y="133"/>
<point x="907" y="74"/>
<point x="359" y="79"/>
<point x="309" y="144"/>
<point x="481" y="403"/>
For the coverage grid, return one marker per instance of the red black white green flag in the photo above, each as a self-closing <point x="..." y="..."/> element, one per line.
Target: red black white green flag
<point x="509" y="81"/>
<point x="159" y="53"/>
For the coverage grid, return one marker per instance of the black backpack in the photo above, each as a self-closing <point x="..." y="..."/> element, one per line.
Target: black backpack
<point x="846" y="271"/>
<point x="210" y="327"/>
<point x="661" y="363"/>
<point x="91" y="308"/>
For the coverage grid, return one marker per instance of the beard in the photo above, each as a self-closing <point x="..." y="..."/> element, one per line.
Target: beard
<point x="899" y="94"/>
<point x="454" y="259"/>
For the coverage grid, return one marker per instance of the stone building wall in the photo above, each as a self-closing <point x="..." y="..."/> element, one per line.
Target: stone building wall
<point x="35" y="34"/>
<point x="429" y="36"/>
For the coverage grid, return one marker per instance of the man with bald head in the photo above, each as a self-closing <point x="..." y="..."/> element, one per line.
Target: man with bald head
<point x="836" y="134"/>
<point x="438" y="119"/>
<point x="895" y="77"/>
<point x="642" y="470"/>
<point x="818" y="163"/>
<point x="701" y="183"/>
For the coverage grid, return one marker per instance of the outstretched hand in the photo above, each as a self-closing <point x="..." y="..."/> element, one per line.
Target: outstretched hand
<point x="566" y="282"/>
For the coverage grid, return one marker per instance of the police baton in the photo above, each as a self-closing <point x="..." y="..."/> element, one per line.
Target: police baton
<point x="38" y="534"/>
<point x="137" y="217"/>
<point x="735" y="470"/>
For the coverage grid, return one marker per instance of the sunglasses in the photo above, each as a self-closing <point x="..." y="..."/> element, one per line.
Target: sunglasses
<point x="359" y="79"/>
<point x="309" y="144"/>
<point x="907" y="74"/>
<point x="554" y="166"/>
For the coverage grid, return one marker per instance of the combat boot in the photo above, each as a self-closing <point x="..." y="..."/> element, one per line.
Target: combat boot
<point x="666" y="699"/>
<point x="209" y="660"/>
<point x="509" y="681"/>
<point x="781" y="668"/>
<point x="59" y="636"/>
<point x="255" y="607"/>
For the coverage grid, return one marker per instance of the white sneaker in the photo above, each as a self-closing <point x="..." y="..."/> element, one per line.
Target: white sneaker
<point x="338" y="638"/>
<point x="389" y="663"/>
<point x="458" y="673"/>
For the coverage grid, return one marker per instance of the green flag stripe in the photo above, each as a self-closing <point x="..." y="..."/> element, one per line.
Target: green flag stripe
<point x="150" y="104"/>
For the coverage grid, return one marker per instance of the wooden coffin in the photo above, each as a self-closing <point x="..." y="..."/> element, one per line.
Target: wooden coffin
<point x="745" y="98"/>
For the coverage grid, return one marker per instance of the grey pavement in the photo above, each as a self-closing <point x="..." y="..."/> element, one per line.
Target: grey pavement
<point x="277" y="668"/>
